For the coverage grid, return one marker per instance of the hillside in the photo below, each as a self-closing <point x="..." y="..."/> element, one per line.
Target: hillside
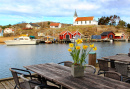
<point x="87" y="31"/>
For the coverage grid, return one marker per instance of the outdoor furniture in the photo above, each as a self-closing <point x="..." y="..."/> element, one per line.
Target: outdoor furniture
<point x="90" y="69"/>
<point x="66" y="63"/>
<point x="118" y="57"/>
<point x="124" y="69"/>
<point x="113" y="75"/>
<point x="103" y="66"/>
<point x="62" y="76"/>
<point x="27" y="83"/>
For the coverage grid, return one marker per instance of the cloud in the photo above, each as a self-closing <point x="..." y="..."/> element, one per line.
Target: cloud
<point x="64" y="8"/>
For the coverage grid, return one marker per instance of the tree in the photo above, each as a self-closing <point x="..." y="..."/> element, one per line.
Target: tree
<point x="48" y="23"/>
<point x="114" y="19"/>
<point x="128" y="25"/>
<point x="122" y="23"/>
<point x="103" y="20"/>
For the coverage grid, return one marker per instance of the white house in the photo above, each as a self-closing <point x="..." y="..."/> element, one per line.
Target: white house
<point x="8" y="30"/>
<point x="32" y="25"/>
<point x="55" y="25"/>
<point x="84" y="20"/>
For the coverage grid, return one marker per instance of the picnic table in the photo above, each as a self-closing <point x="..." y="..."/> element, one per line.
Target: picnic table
<point x="62" y="75"/>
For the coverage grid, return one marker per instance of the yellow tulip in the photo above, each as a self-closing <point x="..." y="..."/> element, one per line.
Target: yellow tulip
<point x="95" y="48"/>
<point x="92" y="45"/>
<point x="77" y="47"/>
<point x="71" y="45"/>
<point x="70" y="50"/>
<point x="85" y="46"/>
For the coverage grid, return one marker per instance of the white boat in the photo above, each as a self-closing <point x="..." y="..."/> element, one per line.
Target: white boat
<point x="23" y="40"/>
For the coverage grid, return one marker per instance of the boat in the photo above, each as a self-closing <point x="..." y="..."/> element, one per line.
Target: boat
<point x="48" y="41"/>
<point x="23" y="40"/>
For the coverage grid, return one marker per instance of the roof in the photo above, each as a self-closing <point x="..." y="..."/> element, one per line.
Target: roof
<point x="106" y="33"/>
<point x="73" y="32"/>
<point x="75" y="14"/>
<point x="84" y="18"/>
<point x="35" y="25"/>
<point x="118" y="34"/>
<point x="63" y="32"/>
<point x="54" y="24"/>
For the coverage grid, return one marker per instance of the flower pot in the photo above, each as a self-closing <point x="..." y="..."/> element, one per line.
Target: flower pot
<point x="77" y="71"/>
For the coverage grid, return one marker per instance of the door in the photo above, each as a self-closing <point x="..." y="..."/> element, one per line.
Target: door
<point x="67" y="36"/>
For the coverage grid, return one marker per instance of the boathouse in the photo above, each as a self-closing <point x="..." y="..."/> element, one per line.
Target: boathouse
<point x="108" y="35"/>
<point x="76" y="34"/>
<point x="65" y="35"/>
<point x="119" y="36"/>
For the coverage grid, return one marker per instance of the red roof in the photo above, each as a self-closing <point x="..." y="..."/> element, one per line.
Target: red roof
<point x="63" y="32"/>
<point x="73" y="32"/>
<point x="84" y="18"/>
<point x="54" y="24"/>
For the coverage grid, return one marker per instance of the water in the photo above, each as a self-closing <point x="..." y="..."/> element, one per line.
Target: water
<point x="23" y="55"/>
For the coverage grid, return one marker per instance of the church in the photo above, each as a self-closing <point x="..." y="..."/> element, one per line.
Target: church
<point x="84" y="20"/>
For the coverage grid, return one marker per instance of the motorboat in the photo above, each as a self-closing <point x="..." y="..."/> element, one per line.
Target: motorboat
<point x="23" y="40"/>
<point x="48" y="41"/>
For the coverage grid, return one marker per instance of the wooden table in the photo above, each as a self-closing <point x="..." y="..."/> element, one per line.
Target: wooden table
<point x="122" y="57"/>
<point x="61" y="75"/>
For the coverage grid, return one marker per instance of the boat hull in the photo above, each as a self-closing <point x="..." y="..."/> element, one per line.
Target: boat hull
<point x="19" y="42"/>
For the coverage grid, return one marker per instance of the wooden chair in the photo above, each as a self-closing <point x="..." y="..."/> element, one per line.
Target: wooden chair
<point x="113" y="75"/>
<point x="124" y="69"/>
<point x="66" y="63"/>
<point x="90" y="69"/>
<point x="27" y="83"/>
<point x="103" y="66"/>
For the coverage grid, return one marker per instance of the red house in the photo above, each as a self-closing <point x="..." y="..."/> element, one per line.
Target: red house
<point x="119" y="36"/>
<point x="76" y="34"/>
<point x="65" y="35"/>
<point x="109" y="35"/>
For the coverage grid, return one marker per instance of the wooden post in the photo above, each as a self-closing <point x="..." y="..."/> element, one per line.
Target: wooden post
<point x="92" y="58"/>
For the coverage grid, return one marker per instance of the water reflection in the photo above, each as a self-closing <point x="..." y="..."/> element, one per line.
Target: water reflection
<point x="22" y="55"/>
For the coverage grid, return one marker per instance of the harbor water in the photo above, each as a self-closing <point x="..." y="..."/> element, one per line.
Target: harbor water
<point x="23" y="55"/>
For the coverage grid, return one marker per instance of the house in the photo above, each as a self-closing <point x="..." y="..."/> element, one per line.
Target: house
<point x="40" y="33"/>
<point x="55" y="25"/>
<point x="119" y="36"/>
<point x="76" y="34"/>
<point x="83" y="20"/>
<point x="8" y="30"/>
<point x="1" y="32"/>
<point x="32" y="25"/>
<point x="108" y="35"/>
<point x="65" y="35"/>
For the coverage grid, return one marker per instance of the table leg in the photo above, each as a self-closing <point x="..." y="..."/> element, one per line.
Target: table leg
<point x="112" y="63"/>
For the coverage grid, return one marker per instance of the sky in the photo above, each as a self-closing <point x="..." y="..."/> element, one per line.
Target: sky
<point x="16" y="11"/>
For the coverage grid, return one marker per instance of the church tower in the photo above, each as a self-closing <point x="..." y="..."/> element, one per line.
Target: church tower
<point x="75" y="16"/>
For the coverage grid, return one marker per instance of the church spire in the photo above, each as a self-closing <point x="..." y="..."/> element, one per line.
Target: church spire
<point x="75" y="14"/>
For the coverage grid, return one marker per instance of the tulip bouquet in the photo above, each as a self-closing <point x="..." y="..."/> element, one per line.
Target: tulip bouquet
<point x="79" y="53"/>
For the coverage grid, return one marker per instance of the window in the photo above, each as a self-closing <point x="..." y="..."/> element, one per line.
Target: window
<point x="77" y="22"/>
<point x="89" y="21"/>
<point x="81" y="22"/>
<point x="56" y="26"/>
<point x="85" y="22"/>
